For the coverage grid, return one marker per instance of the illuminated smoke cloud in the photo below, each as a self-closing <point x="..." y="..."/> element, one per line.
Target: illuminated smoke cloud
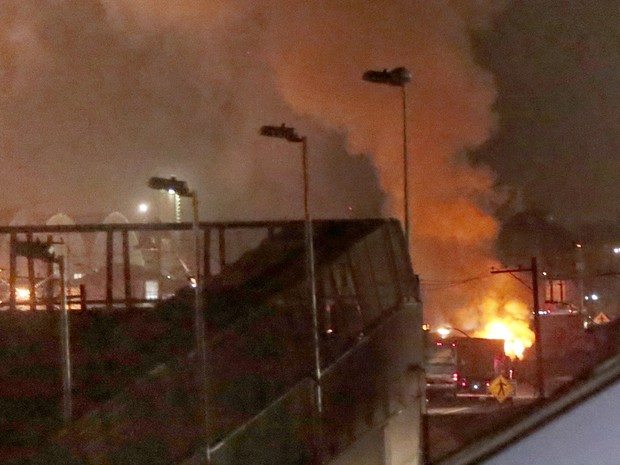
<point x="450" y="101"/>
<point x="97" y="96"/>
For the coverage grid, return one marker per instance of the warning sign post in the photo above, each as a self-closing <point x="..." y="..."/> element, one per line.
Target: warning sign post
<point x="501" y="388"/>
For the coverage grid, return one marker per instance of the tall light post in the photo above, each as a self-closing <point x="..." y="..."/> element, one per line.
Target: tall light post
<point x="180" y="189"/>
<point x="398" y="77"/>
<point x="67" y="404"/>
<point x="289" y="134"/>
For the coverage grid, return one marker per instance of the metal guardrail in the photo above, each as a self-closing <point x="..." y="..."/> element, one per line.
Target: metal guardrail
<point x="291" y="424"/>
<point x="215" y="253"/>
<point x="221" y="246"/>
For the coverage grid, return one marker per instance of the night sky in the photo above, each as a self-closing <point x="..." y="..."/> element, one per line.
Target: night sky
<point x="556" y="66"/>
<point x="96" y="96"/>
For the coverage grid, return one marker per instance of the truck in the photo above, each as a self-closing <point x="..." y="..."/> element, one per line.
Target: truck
<point x="440" y="366"/>
<point x="478" y="362"/>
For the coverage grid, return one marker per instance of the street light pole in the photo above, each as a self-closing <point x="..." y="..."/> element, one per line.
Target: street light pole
<point x="398" y="77"/>
<point x="199" y="320"/>
<point x="288" y="133"/>
<point x="406" y="167"/>
<point x="310" y="263"/>
<point x="180" y="189"/>
<point x="67" y="407"/>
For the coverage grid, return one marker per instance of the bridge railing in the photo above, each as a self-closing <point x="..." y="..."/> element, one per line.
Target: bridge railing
<point x="120" y="265"/>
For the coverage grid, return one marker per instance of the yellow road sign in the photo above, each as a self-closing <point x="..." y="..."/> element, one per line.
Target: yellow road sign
<point x="601" y="319"/>
<point x="501" y="388"/>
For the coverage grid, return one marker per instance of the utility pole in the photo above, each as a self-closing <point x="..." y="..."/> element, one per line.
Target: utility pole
<point x="45" y="251"/>
<point x="540" y="375"/>
<point x="580" y="266"/>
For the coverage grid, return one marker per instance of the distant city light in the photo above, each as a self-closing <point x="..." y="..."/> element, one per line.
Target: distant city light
<point x="616" y="250"/>
<point x="594" y="297"/>
<point x="22" y="293"/>
<point x="143" y="207"/>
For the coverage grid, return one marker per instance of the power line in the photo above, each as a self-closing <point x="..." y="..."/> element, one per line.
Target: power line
<point x="436" y="284"/>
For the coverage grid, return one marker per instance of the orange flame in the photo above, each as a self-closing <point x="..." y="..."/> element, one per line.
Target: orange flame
<point x="509" y="322"/>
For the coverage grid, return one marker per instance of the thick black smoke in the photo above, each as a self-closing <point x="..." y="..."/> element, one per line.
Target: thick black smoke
<point x="556" y="66"/>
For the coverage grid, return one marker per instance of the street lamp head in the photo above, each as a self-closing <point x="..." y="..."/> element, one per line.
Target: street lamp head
<point x="396" y="77"/>
<point x="400" y="76"/>
<point x="172" y="185"/>
<point x="281" y="132"/>
<point x="380" y="77"/>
